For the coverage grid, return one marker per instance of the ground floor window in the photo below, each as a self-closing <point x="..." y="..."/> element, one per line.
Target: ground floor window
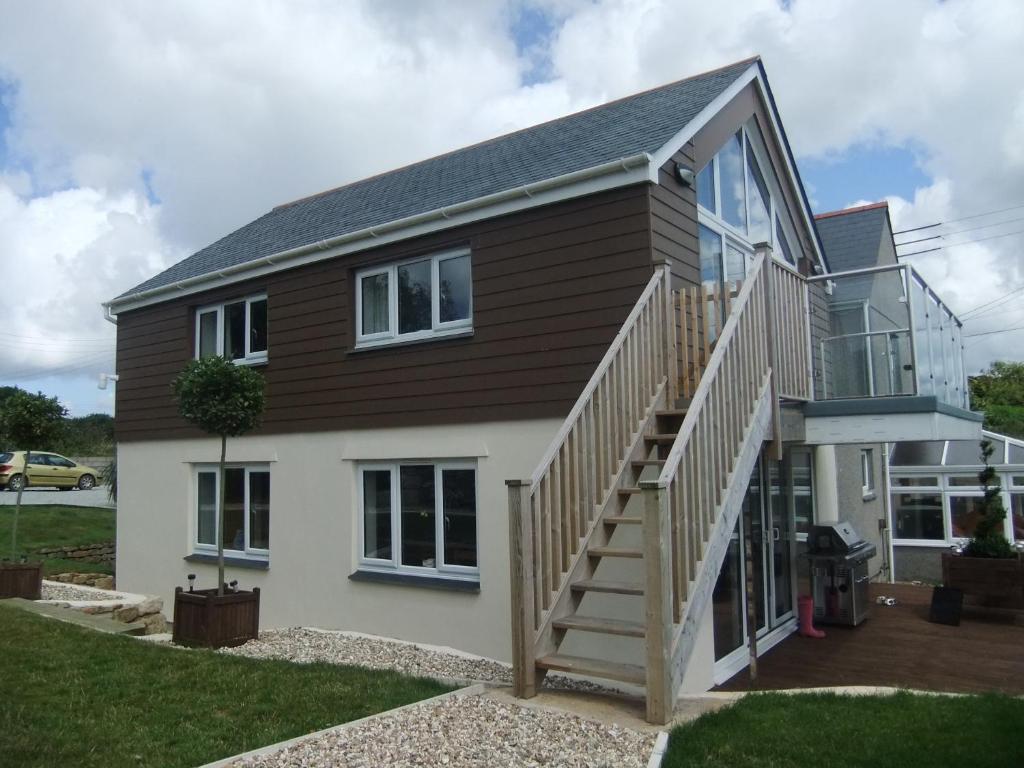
<point x="246" y="510"/>
<point x="419" y="517"/>
<point x="945" y="508"/>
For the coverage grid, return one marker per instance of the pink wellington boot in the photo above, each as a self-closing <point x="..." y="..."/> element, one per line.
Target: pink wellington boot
<point x="806" y="607"/>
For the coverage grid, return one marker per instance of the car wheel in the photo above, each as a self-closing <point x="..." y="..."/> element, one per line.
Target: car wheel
<point x="14" y="483"/>
<point x="86" y="482"/>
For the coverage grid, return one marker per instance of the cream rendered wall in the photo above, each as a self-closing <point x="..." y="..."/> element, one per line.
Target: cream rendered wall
<point x="313" y="533"/>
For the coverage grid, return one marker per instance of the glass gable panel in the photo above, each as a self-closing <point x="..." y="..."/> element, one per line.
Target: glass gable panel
<point x="710" y="256"/>
<point x="783" y="243"/>
<point x="419" y="534"/>
<point x="758" y="202"/>
<point x="735" y="263"/>
<point x="455" y="288"/>
<point x="458" y="497"/>
<point x="375" y="303"/>
<point x="414" y="309"/>
<point x="917" y="454"/>
<point x="706" y="187"/>
<point x="731" y="175"/>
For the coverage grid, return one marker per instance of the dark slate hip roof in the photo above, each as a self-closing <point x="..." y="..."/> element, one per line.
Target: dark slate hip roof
<point x="853" y="239"/>
<point x="644" y="122"/>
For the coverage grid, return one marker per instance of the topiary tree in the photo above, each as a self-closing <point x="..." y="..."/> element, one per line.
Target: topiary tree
<point x="222" y="399"/>
<point x="989" y="539"/>
<point x="29" y="422"/>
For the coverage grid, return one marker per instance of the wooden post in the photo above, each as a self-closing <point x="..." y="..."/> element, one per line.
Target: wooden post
<point x="525" y="679"/>
<point x="748" y="553"/>
<point x="658" y="599"/>
<point x="768" y="275"/>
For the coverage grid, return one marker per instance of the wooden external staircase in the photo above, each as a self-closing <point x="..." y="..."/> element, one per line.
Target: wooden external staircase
<point x="662" y="442"/>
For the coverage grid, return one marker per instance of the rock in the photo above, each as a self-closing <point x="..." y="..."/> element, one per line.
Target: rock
<point x="150" y="605"/>
<point x="80" y="578"/>
<point x="104" y="582"/>
<point x="128" y="614"/>
<point x="63" y="578"/>
<point x="155" y="623"/>
<point x="94" y="609"/>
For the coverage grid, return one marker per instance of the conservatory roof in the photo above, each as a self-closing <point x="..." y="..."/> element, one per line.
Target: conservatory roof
<point x="932" y="454"/>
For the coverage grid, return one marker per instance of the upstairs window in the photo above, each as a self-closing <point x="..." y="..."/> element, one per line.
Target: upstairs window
<point x="418" y="299"/>
<point x="236" y="330"/>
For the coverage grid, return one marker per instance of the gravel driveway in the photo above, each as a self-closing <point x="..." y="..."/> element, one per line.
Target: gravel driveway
<point x="97" y="497"/>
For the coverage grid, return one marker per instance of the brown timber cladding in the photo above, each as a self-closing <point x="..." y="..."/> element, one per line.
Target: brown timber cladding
<point x="551" y="287"/>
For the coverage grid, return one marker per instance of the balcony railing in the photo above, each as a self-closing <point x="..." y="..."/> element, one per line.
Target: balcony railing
<point x="882" y="332"/>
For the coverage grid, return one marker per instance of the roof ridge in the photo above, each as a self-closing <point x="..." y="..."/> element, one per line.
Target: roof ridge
<point x="748" y="61"/>
<point x="856" y="209"/>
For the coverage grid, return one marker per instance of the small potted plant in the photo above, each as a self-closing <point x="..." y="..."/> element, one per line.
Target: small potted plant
<point x="988" y="566"/>
<point x="28" y="421"/>
<point x="225" y="400"/>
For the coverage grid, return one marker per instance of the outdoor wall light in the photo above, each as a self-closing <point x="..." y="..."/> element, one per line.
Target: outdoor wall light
<point x="233" y="585"/>
<point x="685" y="175"/>
<point x="191" y="581"/>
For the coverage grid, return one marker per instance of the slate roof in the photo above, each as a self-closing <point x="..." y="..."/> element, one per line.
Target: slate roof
<point x="856" y="238"/>
<point x="643" y="122"/>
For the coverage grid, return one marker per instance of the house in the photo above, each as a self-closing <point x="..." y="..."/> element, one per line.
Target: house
<point x="532" y="399"/>
<point x="935" y="498"/>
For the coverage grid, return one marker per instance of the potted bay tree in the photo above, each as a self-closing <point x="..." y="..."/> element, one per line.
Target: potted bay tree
<point x="29" y="422"/>
<point x="224" y="400"/>
<point x="988" y="566"/>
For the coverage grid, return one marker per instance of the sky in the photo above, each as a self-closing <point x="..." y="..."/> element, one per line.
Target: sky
<point x="134" y="133"/>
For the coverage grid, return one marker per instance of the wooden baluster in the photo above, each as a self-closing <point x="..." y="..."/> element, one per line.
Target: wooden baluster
<point x="657" y="597"/>
<point x="555" y="498"/>
<point x="522" y="575"/>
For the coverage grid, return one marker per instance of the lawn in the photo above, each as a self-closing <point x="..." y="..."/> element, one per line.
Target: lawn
<point x="45" y="526"/>
<point x="71" y="696"/>
<point x="824" y="730"/>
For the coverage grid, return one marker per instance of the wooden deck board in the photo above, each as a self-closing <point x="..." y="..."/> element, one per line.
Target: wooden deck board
<point x="898" y="646"/>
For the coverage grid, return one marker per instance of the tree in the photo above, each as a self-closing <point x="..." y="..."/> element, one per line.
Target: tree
<point x="999" y="392"/>
<point x="989" y="539"/>
<point x="222" y="399"/>
<point x="30" y="422"/>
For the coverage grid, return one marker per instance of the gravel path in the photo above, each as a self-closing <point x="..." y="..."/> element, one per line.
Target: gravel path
<point x="74" y="592"/>
<point x="469" y="732"/>
<point x="306" y="646"/>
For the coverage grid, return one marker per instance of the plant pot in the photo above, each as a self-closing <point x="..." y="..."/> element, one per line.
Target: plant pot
<point x="205" y="619"/>
<point x="23" y="580"/>
<point x="988" y="577"/>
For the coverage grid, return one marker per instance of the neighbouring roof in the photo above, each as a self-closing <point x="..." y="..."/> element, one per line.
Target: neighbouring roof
<point x="853" y="238"/>
<point x="643" y="122"/>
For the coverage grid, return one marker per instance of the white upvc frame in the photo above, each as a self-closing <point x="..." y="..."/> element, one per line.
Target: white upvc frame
<point x="867" y="472"/>
<point x="394" y="564"/>
<point x="250" y="358"/>
<point x="198" y="547"/>
<point x="438" y="329"/>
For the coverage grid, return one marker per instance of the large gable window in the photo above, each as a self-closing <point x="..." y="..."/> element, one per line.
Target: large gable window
<point x="417" y="299"/>
<point x="235" y="329"/>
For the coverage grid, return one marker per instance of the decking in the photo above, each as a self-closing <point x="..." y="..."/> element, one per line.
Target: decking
<point x="898" y="646"/>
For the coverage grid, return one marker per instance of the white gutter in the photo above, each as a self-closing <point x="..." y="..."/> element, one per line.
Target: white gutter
<point x="621" y="165"/>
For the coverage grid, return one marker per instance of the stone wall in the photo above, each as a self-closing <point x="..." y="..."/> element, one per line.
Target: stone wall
<point x="103" y="552"/>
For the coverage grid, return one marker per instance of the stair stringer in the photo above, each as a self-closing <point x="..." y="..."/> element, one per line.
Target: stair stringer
<point x="685" y="633"/>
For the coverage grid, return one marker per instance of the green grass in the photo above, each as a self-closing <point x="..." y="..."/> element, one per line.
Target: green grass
<point x="71" y="696"/>
<point x="45" y="526"/>
<point x="830" y="731"/>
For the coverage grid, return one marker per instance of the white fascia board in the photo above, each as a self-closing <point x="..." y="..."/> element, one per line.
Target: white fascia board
<point x="691" y="129"/>
<point x="617" y="173"/>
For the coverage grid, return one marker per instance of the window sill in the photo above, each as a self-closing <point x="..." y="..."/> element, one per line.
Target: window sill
<point x="234" y="562"/>
<point x="870" y="496"/>
<point x="415" y="580"/>
<point x="370" y="346"/>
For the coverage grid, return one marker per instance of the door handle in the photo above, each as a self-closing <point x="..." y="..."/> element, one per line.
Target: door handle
<point x="776" y="534"/>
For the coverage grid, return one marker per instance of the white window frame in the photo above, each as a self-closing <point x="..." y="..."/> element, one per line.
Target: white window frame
<point x="250" y="358"/>
<point x="867" y="472"/>
<point x="395" y="565"/>
<point x="200" y="548"/>
<point x="437" y="329"/>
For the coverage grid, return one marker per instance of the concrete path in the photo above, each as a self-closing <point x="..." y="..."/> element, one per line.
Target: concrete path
<point x="97" y="497"/>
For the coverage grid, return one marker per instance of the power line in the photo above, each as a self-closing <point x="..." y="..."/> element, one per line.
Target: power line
<point x="962" y="218"/>
<point x="961" y="231"/>
<point x="989" y="333"/>
<point x="71" y="367"/>
<point x="965" y="242"/>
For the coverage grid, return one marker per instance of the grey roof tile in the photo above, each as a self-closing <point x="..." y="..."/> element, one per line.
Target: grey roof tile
<point x="643" y="122"/>
<point x="856" y="239"/>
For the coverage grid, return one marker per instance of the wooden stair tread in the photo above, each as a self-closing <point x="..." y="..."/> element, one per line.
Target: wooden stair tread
<point x="604" y="626"/>
<point x="660" y="438"/>
<point x="622" y="520"/>
<point x="580" y="665"/>
<point x="648" y="463"/>
<point x="608" y="587"/>
<point x="615" y="552"/>
<point x="671" y="412"/>
<point x="629" y="490"/>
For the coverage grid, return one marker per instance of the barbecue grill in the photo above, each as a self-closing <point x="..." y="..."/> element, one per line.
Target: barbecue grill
<point x="839" y="574"/>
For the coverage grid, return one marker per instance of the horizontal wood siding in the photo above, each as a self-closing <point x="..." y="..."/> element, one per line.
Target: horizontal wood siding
<point x="550" y="289"/>
<point x="674" y="221"/>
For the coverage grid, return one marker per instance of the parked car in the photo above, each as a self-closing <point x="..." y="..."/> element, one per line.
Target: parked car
<point x="46" y="470"/>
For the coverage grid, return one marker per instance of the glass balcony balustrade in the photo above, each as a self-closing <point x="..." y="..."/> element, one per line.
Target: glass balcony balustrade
<point x="882" y="332"/>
